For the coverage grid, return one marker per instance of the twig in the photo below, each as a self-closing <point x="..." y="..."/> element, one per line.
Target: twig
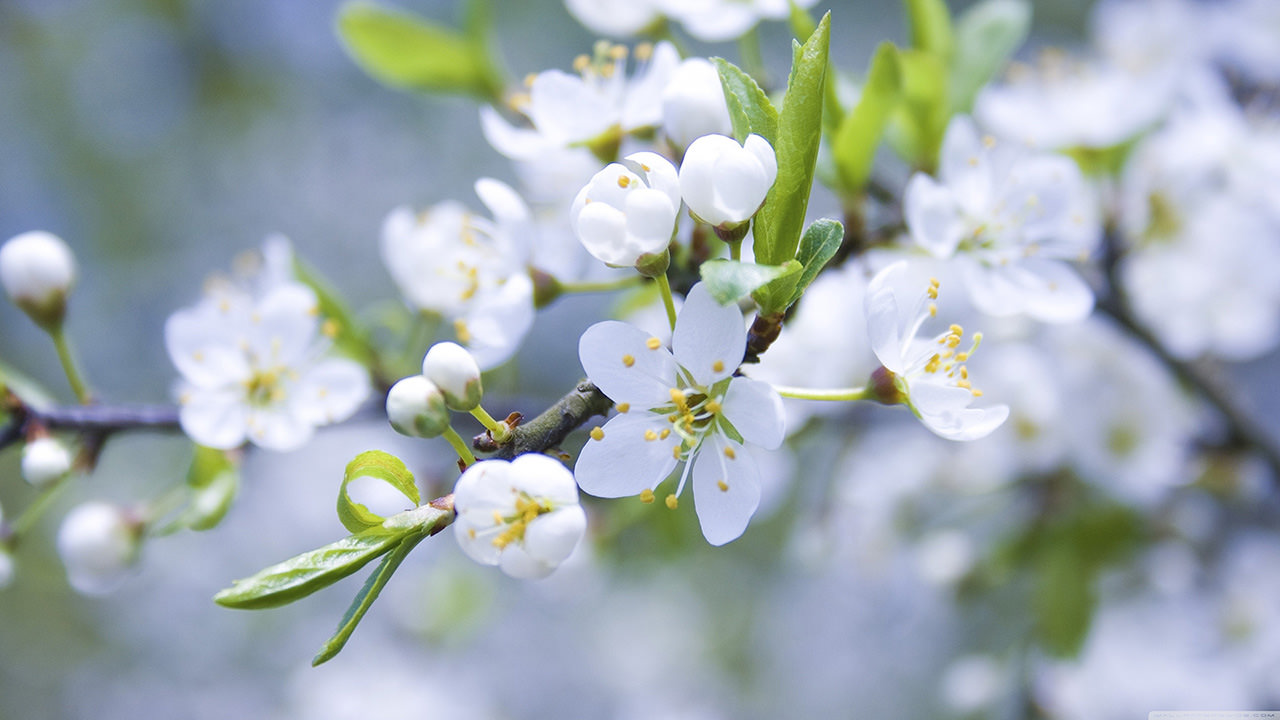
<point x="97" y="420"/>
<point x="550" y="428"/>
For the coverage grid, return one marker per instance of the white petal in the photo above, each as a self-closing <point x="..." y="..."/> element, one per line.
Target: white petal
<point x="623" y="462"/>
<point x="566" y="109"/>
<point x="551" y="538"/>
<point x="932" y="216"/>
<point x="657" y="172"/>
<point x="497" y="322"/>
<point x="643" y="104"/>
<point x="726" y="490"/>
<point x="651" y="219"/>
<point x="710" y="339"/>
<point x="602" y="230"/>
<point x="1047" y="290"/>
<point x="475" y="537"/>
<point x="484" y="487"/>
<point x="544" y="477"/>
<point x="605" y="350"/>
<point x="763" y="152"/>
<point x="504" y="203"/>
<point x="330" y="391"/>
<point x="755" y="410"/>
<point x="519" y="564"/>
<point x="741" y="184"/>
<point x="967" y="424"/>
<point x="203" y="347"/>
<point x="883" y="324"/>
<point x="278" y="428"/>
<point x="215" y="418"/>
<point x="514" y="142"/>
<point x="284" y="324"/>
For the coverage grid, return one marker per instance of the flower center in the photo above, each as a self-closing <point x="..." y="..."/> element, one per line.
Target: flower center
<point x="267" y="387"/>
<point x="527" y="509"/>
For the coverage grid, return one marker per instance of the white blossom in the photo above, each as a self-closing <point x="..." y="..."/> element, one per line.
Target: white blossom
<point x="37" y="270"/>
<point x="416" y="407"/>
<point x="724" y="182"/>
<point x="927" y="375"/>
<point x="522" y="515"/>
<point x="721" y="20"/>
<point x="628" y="210"/>
<point x="1014" y="219"/>
<point x="693" y="103"/>
<point x="615" y="18"/>
<point x="255" y="369"/>
<point x="466" y="268"/>
<point x="44" y="460"/>
<point x="683" y="405"/>
<point x="98" y="543"/>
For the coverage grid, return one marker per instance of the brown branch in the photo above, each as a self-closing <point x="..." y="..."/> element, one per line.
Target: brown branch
<point x="94" y="420"/>
<point x="550" y="428"/>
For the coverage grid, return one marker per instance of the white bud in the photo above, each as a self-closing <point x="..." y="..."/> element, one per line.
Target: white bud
<point x="628" y="210"/>
<point x="416" y="407"/>
<point x="98" y="544"/>
<point x="693" y="103"/>
<point x="44" y="460"/>
<point x="6" y="568"/>
<point x="37" y="270"/>
<point x="724" y="183"/>
<point x="456" y="373"/>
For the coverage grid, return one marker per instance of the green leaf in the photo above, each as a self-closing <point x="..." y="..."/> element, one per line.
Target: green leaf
<point x="729" y="280"/>
<point x="364" y="599"/>
<point x="931" y="31"/>
<point x="818" y="245"/>
<point x="214" y="482"/>
<point x="410" y="52"/>
<point x="781" y="218"/>
<point x="856" y="140"/>
<point x="375" y="464"/>
<point x="802" y="23"/>
<point x="776" y="294"/>
<point x="987" y="34"/>
<point x="749" y="107"/>
<point x="304" y="574"/>
<point x="1063" y="601"/>
<point x="349" y="336"/>
<point x="921" y="118"/>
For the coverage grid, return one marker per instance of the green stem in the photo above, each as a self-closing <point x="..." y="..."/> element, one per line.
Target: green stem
<point x="501" y="431"/>
<point x="36" y="510"/>
<point x="752" y="60"/>
<point x="735" y="250"/>
<point x="69" y="367"/>
<point x="665" y="287"/>
<point x="840" y="394"/>
<point x="602" y="286"/>
<point x="460" y="446"/>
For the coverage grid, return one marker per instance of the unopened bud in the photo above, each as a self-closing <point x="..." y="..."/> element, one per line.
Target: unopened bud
<point x="37" y="270"/>
<point x="416" y="407"/>
<point x="45" y="460"/>
<point x="98" y="543"/>
<point x="456" y="373"/>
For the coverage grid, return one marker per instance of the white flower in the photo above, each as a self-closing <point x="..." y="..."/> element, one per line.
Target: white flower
<point x="416" y="407"/>
<point x="253" y="368"/>
<point x="628" y="210"/>
<point x="466" y="268"/>
<point x="682" y="407"/>
<point x="693" y="103"/>
<point x="522" y="515"/>
<point x="723" y="182"/>
<point x="6" y="568"/>
<point x="1014" y="219"/>
<point x="98" y="543"/>
<point x="37" y="270"/>
<point x="594" y="108"/>
<point x="721" y="20"/>
<point x="616" y="18"/>
<point x="455" y="372"/>
<point x="44" y="460"/>
<point x="928" y="376"/>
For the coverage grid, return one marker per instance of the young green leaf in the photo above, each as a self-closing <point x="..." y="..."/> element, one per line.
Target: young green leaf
<point x="729" y="280"/>
<point x="364" y="599"/>
<point x="781" y="218"/>
<point x="775" y="295"/>
<point x="749" y="107"/>
<point x="214" y="482"/>
<point x="987" y="34"/>
<point x="855" y="143"/>
<point x="382" y="466"/>
<point x="406" y="51"/>
<point x="931" y="31"/>
<point x="921" y="118"/>
<point x="304" y="574"/>
<point x="820" y="242"/>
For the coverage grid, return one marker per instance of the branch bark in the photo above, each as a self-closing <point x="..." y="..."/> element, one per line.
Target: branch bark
<point x="549" y="429"/>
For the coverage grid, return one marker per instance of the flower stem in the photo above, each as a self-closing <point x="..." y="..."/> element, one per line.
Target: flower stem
<point x="501" y="431"/>
<point x="840" y="394"/>
<point x="69" y="367"/>
<point x="735" y="250"/>
<point x="602" y="286"/>
<point x="665" y="287"/>
<point x="460" y="446"/>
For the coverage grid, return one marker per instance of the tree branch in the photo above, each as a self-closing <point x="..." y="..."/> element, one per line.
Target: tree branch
<point x="98" y="420"/>
<point x="550" y="428"/>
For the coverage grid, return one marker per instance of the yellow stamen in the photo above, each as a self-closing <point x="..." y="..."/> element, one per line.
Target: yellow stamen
<point x="329" y="328"/>
<point x="628" y="360"/>
<point x="597" y="433"/>
<point x="724" y="486"/>
<point x="672" y="501"/>
<point x="713" y="407"/>
<point x="623" y="181"/>
<point x="729" y="453"/>
<point x="623" y="407"/>
<point x="646" y="496"/>
<point x="650" y="435"/>
<point x="653" y="343"/>
<point x="717" y="366"/>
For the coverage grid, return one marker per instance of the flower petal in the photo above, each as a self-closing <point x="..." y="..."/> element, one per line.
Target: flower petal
<point x="710" y="339"/>
<point x="932" y="216"/>
<point x="519" y="564"/>
<point x="215" y="418"/>
<point x="755" y="410"/>
<point x="551" y="538"/>
<point x="1047" y="290"/>
<point x="620" y="361"/>
<point x="330" y="391"/>
<point x="623" y="462"/>
<point x="544" y="477"/>
<point x="726" y="490"/>
<point x="203" y="347"/>
<point x="278" y="428"/>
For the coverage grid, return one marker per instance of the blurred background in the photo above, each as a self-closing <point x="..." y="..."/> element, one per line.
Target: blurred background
<point x="161" y="138"/>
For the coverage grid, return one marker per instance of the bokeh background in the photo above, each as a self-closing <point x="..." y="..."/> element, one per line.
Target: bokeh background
<point x="161" y="138"/>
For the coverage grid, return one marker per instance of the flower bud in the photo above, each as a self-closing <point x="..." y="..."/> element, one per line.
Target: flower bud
<point x="37" y="270"/>
<point x="98" y="543"/>
<point x="456" y="373"/>
<point x="44" y="460"/>
<point x="628" y="210"/>
<point x="416" y="407"/>
<point x="724" y="183"/>
<point x="693" y="103"/>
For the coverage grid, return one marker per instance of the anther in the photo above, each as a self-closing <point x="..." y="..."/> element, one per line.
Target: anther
<point x="623" y="407"/>
<point x="729" y="453"/>
<point x="628" y="360"/>
<point x="597" y="433"/>
<point x="717" y="366"/>
<point x="724" y="486"/>
<point x="672" y="502"/>
<point x="646" y="496"/>
<point x="653" y="343"/>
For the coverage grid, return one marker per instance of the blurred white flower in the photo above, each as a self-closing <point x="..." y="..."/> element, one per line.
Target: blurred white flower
<point x="615" y="18"/>
<point x="44" y="460"/>
<point x="693" y="103"/>
<point x="37" y="270"/>
<point x="254" y="369"/>
<point x="722" y="20"/>
<point x="455" y="372"/>
<point x="6" y="568"/>
<point x="522" y="515"/>
<point x="929" y="376"/>
<point x="1014" y="219"/>
<point x="628" y="210"/>
<point x="724" y="182"/>
<point x="973" y="683"/>
<point x="466" y="268"/>
<point x="416" y="407"/>
<point x="683" y="405"/>
<point x="98" y="543"/>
